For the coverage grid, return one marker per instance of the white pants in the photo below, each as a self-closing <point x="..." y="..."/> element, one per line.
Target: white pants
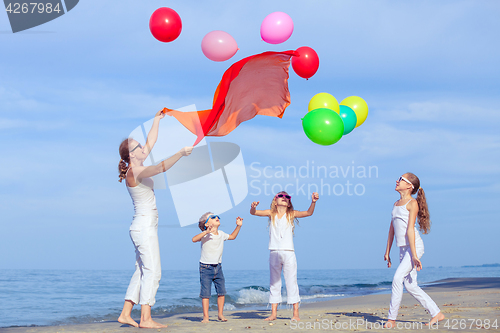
<point x="286" y="261"/>
<point x="406" y="274"/>
<point x="146" y="279"/>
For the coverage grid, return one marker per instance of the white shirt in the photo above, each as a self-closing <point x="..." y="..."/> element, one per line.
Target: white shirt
<point x="280" y="234"/>
<point x="212" y="246"/>
<point x="400" y="217"/>
<point x="143" y="197"/>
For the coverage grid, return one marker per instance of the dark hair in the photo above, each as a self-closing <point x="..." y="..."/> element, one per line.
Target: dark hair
<point x="202" y="226"/>
<point x="124" y="163"/>
<point x="423" y="215"/>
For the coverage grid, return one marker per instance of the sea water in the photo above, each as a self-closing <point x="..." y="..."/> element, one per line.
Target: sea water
<point x="64" y="297"/>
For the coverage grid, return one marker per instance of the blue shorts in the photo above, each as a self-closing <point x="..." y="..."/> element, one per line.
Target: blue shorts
<point x="211" y="273"/>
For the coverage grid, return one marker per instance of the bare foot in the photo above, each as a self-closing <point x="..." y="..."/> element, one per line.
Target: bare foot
<point x="295" y="317"/>
<point x="390" y="324"/>
<point x="151" y="324"/>
<point x="205" y="320"/>
<point x="127" y="321"/>
<point x="271" y="317"/>
<point x="436" y="318"/>
<point x="222" y="318"/>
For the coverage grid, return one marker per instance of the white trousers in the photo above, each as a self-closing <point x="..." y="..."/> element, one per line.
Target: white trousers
<point x="146" y="279"/>
<point x="406" y="275"/>
<point x="286" y="261"/>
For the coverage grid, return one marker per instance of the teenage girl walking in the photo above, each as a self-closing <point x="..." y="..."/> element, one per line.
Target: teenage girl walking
<point x="411" y="247"/>
<point x="144" y="229"/>
<point x="282" y="218"/>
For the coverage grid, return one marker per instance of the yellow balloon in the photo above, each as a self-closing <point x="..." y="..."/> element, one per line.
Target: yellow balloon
<point x="323" y="100"/>
<point x="359" y="106"/>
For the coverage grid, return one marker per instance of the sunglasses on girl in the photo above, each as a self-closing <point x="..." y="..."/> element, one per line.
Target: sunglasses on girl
<point x="281" y="195"/>
<point x="406" y="180"/>
<point x="138" y="146"/>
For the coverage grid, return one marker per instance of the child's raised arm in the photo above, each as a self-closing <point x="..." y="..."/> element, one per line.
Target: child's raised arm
<point x="256" y="212"/>
<point x="239" y="223"/>
<point x="310" y="211"/>
<point x="198" y="237"/>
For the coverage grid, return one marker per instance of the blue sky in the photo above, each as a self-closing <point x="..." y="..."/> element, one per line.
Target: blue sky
<point x="72" y="89"/>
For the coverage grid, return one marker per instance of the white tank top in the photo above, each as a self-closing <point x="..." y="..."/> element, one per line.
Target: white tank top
<point x="400" y="217"/>
<point x="143" y="198"/>
<point x="280" y="234"/>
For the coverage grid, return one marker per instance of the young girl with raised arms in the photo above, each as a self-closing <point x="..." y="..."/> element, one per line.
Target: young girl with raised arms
<point x="411" y="247"/>
<point x="282" y="218"/>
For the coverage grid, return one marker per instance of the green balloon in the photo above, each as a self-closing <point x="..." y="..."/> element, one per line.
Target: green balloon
<point x="348" y="117"/>
<point x="323" y="126"/>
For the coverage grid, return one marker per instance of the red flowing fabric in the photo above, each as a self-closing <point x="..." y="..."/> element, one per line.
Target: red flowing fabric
<point x="254" y="85"/>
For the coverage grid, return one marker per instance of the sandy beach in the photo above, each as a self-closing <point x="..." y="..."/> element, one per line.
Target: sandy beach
<point x="469" y="304"/>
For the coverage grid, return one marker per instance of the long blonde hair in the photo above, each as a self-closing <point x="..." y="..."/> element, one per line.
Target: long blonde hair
<point x="423" y="215"/>
<point x="290" y="212"/>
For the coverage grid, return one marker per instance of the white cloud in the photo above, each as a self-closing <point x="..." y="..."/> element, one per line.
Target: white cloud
<point x="12" y="100"/>
<point x="445" y="112"/>
<point x="11" y="123"/>
<point x="38" y="125"/>
<point x="93" y="100"/>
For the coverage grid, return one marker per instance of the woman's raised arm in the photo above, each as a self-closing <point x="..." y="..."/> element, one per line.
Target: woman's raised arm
<point x="139" y="172"/>
<point x="153" y="133"/>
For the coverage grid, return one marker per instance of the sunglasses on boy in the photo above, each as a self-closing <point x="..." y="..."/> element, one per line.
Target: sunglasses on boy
<point x="406" y="180"/>
<point x="281" y="195"/>
<point x="212" y="217"/>
<point x="138" y="146"/>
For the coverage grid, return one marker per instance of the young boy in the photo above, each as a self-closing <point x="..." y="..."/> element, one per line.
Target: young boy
<point x="212" y="243"/>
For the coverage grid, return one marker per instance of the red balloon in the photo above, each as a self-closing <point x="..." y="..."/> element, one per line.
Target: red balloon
<point x="307" y="63"/>
<point x="165" y="24"/>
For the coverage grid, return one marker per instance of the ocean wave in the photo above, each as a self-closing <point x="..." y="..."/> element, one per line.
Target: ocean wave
<point x="253" y="295"/>
<point x="247" y="297"/>
<point x="344" y="289"/>
<point x="311" y="297"/>
<point x="229" y="307"/>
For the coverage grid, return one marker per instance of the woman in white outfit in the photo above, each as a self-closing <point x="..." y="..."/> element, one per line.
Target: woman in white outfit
<point x="411" y="247"/>
<point x="282" y="256"/>
<point x="144" y="228"/>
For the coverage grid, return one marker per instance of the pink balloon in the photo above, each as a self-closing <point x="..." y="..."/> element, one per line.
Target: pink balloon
<point x="218" y="45"/>
<point x="276" y="28"/>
